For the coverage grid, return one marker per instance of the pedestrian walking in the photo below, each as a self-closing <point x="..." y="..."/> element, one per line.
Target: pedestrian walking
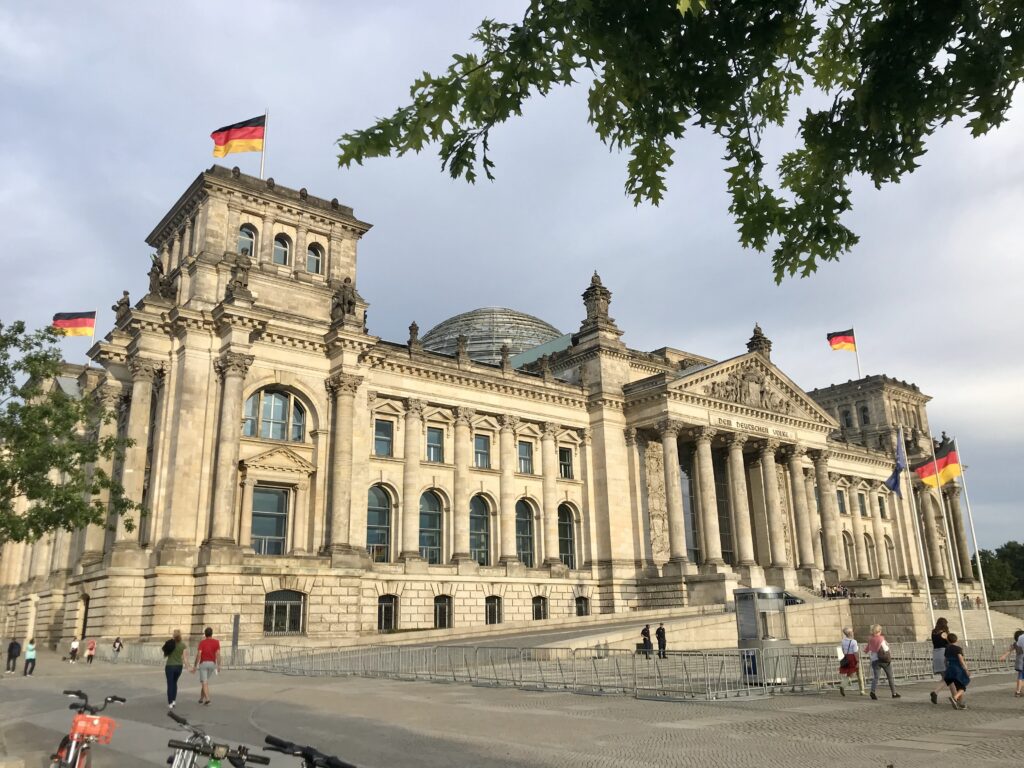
<point x="659" y="633"/>
<point x="207" y="662"/>
<point x="977" y="602"/>
<point x="940" y="641"/>
<point x="175" y="651"/>
<point x="90" y="651"/>
<point x="1017" y="649"/>
<point x="30" y="657"/>
<point x="13" y="652"/>
<point x="823" y="588"/>
<point x="118" y="645"/>
<point x="881" y="660"/>
<point x="848" y="665"/>
<point x="957" y="676"/>
<point x="645" y="636"/>
<point x="73" y="653"/>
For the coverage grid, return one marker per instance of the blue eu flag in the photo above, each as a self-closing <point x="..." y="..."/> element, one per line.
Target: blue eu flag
<point x="893" y="483"/>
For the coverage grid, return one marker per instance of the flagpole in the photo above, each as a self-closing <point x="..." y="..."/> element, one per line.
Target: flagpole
<point x="856" y="352"/>
<point x="949" y="541"/>
<point x="919" y="536"/>
<point x="266" y="129"/>
<point x="974" y="538"/>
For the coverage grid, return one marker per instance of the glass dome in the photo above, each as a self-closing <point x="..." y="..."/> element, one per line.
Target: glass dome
<point x="486" y="330"/>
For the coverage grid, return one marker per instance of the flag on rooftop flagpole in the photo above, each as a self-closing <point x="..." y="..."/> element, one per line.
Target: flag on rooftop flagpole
<point x="75" y="323"/>
<point x="246" y="136"/>
<point x="941" y="468"/>
<point x="893" y="483"/>
<point x="842" y="340"/>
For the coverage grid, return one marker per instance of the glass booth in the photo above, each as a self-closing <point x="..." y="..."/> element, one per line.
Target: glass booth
<point x="762" y="633"/>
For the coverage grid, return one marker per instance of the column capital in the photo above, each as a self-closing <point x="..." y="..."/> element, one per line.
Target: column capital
<point x="107" y="396"/>
<point x="669" y="428"/>
<point x="704" y="434"/>
<point x="952" y="491"/>
<point x="794" y="452"/>
<point x="145" y="369"/>
<point x="768" y="447"/>
<point x="464" y="415"/>
<point x="820" y="455"/>
<point x="876" y="485"/>
<point x="834" y="477"/>
<point x="549" y="429"/>
<point x="508" y="423"/>
<point x="342" y="384"/>
<point x="414" y="408"/>
<point x="233" y="364"/>
<point x="249" y="482"/>
<point x="736" y="440"/>
<point x="630" y="433"/>
<point x="586" y="435"/>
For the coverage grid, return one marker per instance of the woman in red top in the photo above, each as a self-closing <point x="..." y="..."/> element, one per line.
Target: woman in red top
<point x="207" y="662"/>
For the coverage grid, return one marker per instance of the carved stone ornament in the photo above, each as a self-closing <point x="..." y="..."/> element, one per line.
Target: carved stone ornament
<point x="461" y="346"/>
<point x="760" y="343"/>
<point x="795" y="452"/>
<point x="820" y="456"/>
<point x="737" y="439"/>
<point x="344" y="302"/>
<point x="748" y="386"/>
<point x="414" y="334"/>
<point x="233" y="364"/>
<point x="549" y="429"/>
<point x="508" y="423"/>
<point x="143" y="369"/>
<point x="704" y="434"/>
<point x="107" y="396"/>
<point x="630" y="433"/>
<point x="238" y="286"/>
<point x="952" y="491"/>
<point x="669" y="428"/>
<point x="834" y="477"/>
<point x="343" y="384"/>
<point x="586" y="435"/>
<point x="464" y="415"/>
<point x="414" y="408"/>
<point x="506" y="363"/>
<point x="122" y="306"/>
<point x="769" y="447"/>
<point x="160" y="285"/>
<point x="597" y="299"/>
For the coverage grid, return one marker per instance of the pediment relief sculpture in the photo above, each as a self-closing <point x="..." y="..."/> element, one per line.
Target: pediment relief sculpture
<point x="748" y="385"/>
<point x="280" y="460"/>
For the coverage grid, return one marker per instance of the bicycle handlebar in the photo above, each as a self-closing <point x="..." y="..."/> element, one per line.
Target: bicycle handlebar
<point x="311" y="756"/>
<point x="220" y="752"/>
<point x="85" y="706"/>
<point x="177" y="718"/>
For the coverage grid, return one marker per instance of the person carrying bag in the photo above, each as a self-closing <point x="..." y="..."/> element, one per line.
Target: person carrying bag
<point x="881" y="660"/>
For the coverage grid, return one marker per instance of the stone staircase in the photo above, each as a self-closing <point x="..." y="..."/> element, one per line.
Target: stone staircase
<point x="1003" y="624"/>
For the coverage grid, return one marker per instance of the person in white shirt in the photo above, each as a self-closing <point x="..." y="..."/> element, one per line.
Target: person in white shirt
<point x="848" y="664"/>
<point x="73" y="656"/>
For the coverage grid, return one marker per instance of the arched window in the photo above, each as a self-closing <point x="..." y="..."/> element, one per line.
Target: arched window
<point x="430" y="528"/>
<point x="443" y="612"/>
<point x="378" y="525"/>
<point x="850" y="555"/>
<point x="246" y="239"/>
<point x="865" y="416"/>
<point x="284" y="612"/>
<point x="282" y="250"/>
<point x="582" y="606"/>
<point x="479" y="531"/>
<point x="869" y="549"/>
<point x="315" y="259"/>
<point x="890" y="556"/>
<point x="540" y="608"/>
<point x="387" y="613"/>
<point x="274" y="415"/>
<point x="524" y="533"/>
<point x="492" y="609"/>
<point x="566" y="536"/>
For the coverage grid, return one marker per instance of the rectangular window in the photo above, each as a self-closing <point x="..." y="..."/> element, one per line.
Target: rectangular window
<point x="863" y="504"/>
<point x="249" y="417"/>
<point x="526" y="458"/>
<point x="482" y="452"/>
<point x="435" y="445"/>
<point x="269" y="520"/>
<point x="881" y="507"/>
<point x="841" y="501"/>
<point x="383" y="437"/>
<point x="565" y="463"/>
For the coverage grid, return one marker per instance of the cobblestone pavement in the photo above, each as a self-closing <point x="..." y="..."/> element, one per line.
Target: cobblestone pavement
<point x="390" y="723"/>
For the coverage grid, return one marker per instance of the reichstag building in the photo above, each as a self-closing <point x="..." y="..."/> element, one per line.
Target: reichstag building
<point x="316" y="480"/>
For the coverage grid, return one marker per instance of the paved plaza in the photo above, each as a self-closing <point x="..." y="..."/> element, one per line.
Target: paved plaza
<point x="388" y="723"/>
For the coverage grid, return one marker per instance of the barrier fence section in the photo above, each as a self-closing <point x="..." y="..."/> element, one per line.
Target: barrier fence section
<point x="708" y="675"/>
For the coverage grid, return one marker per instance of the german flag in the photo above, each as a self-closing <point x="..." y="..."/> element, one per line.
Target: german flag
<point x="842" y="340"/>
<point x="246" y="136"/>
<point x="944" y="468"/>
<point x="75" y="323"/>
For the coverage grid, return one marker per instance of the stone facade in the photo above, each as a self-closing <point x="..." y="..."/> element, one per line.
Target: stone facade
<point x="310" y="478"/>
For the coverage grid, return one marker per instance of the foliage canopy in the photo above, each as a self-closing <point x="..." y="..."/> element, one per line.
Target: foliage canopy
<point x="49" y="477"/>
<point x="887" y="73"/>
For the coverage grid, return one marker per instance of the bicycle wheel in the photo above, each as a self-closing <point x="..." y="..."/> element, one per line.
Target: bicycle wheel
<point x="59" y="759"/>
<point x="84" y="757"/>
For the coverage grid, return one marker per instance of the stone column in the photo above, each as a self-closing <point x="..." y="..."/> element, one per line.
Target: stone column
<point x="133" y="476"/>
<point x="265" y="246"/>
<point x="187" y="244"/>
<point x="776" y="526"/>
<point x="549" y="491"/>
<point x="232" y="367"/>
<point x="959" y="532"/>
<point x="814" y="514"/>
<point x="411" y="480"/>
<point x="506" y="492"/>
<point x="463" y="461"/>
<point x="829" y="513"/>
<point x="928" y="505"/>
<point x="245" y="526"/>
<point x="853" y="504"/>
<point x="342" y="387"/>
<point x="299" y="257"/>
<point x="801" y="517"/>
<point x="878" y="534"/>
<point x="669" y="432"/>
<point x="741" y="509"/>
<point x="300" y="518"/>
<point x="109" y="399"/>
<point x="708" y="498"/>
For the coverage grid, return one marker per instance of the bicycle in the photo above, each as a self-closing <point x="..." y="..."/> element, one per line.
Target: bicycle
<point x="186" y="758"/>
<point x="216" y="753"/>
<point x="87" y="728"/>
<point x="311" y="756"/>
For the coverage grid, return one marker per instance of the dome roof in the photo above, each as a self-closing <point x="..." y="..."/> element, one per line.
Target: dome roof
<point x="486" y="330"/>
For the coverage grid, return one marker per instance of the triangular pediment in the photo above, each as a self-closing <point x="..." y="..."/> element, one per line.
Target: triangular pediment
<point x="280" y="460"/>
<point x="751" y="381"/>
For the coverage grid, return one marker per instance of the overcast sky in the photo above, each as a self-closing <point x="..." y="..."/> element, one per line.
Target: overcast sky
<point x="106" y="110"/>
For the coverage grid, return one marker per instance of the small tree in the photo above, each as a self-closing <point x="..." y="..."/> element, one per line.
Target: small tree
<point x="883" y="77"/>
<point x="49" y="449"/>
<point x="1000" y="583"/>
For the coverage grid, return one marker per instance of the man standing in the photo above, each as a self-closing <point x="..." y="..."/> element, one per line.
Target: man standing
<point x="645" y="636"/>
<point x="207" y="662"/>
<point x="662" y="641"/>
<point x="13" y="652"/>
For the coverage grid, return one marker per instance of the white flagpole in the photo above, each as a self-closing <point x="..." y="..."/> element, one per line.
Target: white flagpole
<point x="266" y="130"/>
<point x="918" y="534"/>
<point x="856" y="352"/>
<point x="974" y="538"/>
<point x="949" y="541"/>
